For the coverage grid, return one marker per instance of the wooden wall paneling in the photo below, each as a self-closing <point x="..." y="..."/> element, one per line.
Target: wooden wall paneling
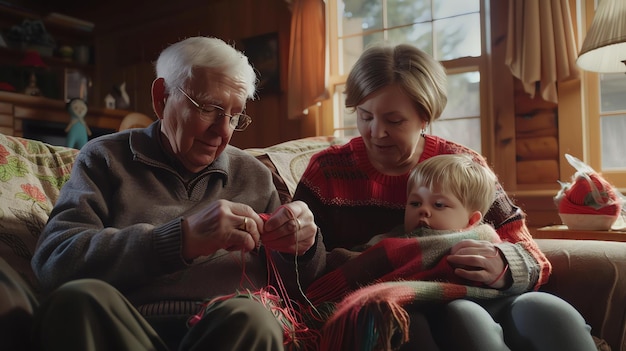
<point x="538" y="172"/>
<point x="529" y="173"/>
<point x="108" y="119"/>
<point x="537" y="154"/>
<point x="144" y="72"/>
<point x="539" y="148"/>
<point x="526" y="104"/>
<point x="574" y="101"/>
<point x="502" y="99"/>
<point x="537" y="124"/>
<point x="6" y="118"/>
<point x="6" y="108"/>
<point x="264" y="128"/>
<point x="572" y="138"/>
<point x="540" y="211"/>
<point x="48" y="114"/>
<point x="537" y="137"/>
<point x="8" y="131"/>
<point x="14" y="108"/>
<point x="129" y="51"/>
<point x="270" y="109"/>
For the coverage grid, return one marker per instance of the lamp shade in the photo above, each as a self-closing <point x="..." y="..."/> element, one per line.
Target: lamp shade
<point x="604" y="47"/>
<point x="32" y="59"/>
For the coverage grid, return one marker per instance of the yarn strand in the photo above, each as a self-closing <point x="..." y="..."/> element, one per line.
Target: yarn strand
<point x="296" y="333"/>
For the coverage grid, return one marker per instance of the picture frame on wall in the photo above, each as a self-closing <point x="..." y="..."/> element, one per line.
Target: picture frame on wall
<point x="262" y="51"/>
<point x="76" y="84"/>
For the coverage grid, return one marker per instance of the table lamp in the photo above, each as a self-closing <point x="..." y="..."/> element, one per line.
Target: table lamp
<point x="32" y="60"/>
<point x="604" y="47"/>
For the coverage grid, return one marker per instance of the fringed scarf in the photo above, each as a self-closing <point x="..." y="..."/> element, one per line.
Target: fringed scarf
<point x="360" y="305"/>
<point x="371" y="290"/>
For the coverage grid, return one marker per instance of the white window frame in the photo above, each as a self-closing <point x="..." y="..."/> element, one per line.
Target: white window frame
<point x="460" y="65"/>
<point x="591" y="140"/>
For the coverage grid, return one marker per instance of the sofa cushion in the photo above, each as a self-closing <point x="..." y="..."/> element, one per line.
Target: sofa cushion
<point x="589" y="274"/>
<point x="33" y="172"/>
<point x="31" y="175"/>
<point x="288" y="160"/>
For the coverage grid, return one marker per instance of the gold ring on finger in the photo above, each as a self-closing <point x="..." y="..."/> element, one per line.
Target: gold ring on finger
<point x="244" y="225"/>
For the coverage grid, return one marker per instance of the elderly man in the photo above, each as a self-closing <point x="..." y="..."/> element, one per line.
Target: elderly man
<point x="155" y="221"/>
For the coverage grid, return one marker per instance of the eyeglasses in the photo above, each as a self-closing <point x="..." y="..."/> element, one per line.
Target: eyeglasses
<point x="209" y="113"/>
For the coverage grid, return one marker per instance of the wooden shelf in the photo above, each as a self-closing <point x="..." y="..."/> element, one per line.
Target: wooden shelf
<point x="14" y="108"/>
<point x="562" y="232"/>
<point x="62" y="28"/>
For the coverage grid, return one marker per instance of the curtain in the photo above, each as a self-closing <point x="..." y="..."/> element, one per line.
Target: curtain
<point x="540" y="47"/>
<point x="306" y="82"/>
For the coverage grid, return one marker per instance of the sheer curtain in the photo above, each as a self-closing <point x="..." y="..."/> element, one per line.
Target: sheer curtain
<point x="307" y="57"/>
<point x="540" y="48"/>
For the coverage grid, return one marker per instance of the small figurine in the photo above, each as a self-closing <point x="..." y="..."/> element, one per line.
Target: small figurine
<point x="32" y="89"/>
<point x="122" y="100"/>
<point x="109" y="101"/>
<point x="77" y="130"/>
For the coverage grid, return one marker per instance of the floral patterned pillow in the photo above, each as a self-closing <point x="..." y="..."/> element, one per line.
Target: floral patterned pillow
<point x="31" y="175"/>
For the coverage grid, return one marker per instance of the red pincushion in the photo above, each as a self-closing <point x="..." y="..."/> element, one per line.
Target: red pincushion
<point x="579" y="197"/>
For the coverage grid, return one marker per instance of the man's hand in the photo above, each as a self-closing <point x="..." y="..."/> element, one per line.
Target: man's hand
<point x="221" y="225"/>
<point x="290" y="229"/>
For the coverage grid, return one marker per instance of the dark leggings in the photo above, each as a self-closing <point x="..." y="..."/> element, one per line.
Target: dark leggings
<point x="533" y="321"/>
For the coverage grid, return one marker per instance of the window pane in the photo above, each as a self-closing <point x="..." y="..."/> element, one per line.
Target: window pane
<point x="402" y="12"/>
<point x="613" y="92"/>
<point x="359" y="15"/>
<point x="345" y="119"/>
<point x="342" y="116"/>
<point x="457" y="37"/>
<point x="349" y="118"/>
<point x="419" y="35"/>
<point x="446" y="29"/>
<point x="613" y="142"/>
<point x="463" y="95"/>
<point x="449" y="8"/>
<point x="351" y="48"/>
<point x="463" y="131"/>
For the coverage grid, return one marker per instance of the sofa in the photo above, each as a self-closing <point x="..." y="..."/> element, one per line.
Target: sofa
<point x="591" y="275"/>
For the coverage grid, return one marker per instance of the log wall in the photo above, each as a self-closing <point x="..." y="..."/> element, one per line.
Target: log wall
<point x="536" y="134"/>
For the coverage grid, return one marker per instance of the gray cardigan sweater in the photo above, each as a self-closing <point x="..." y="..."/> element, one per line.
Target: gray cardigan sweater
<point x="119" y="216"/>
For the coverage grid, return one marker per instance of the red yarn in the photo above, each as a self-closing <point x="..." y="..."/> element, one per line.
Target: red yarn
<point x="296" y="333"/>
<point x="590" y="194"/>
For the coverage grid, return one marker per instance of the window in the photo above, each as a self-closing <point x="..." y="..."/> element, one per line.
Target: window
<point x="450" y="30"/>
<point x="612" y="120"/>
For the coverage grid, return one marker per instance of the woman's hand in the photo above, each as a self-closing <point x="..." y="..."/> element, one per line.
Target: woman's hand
<point x="290" y="229"/>
<point x="479" y="261"/>
<point x="221" y="225"/>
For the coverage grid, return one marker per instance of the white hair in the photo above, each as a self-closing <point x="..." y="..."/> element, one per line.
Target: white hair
<point x="176" y="63"/>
